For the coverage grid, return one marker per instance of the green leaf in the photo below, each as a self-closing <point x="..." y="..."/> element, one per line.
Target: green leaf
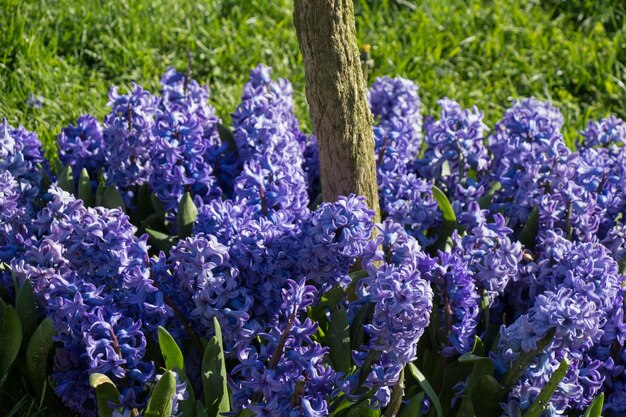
<point x="200" y="411"/>
<point x="338" y="339"/>
<point x="85" y="192"/>
<point x="362" y="408"/>
<point x="162" y="398"/>
<point x="421" y="380"/>
<point x="10" y="340"/>
<point x="622" y="266"/>
<point x="481" y="366"/>
<point x="144" y="202"/>
<point x="170" y="351"/>
<point x="187" y="407"/>
<point x="214" y="375"/>
<point x="485" y="396"/>
<point x="539" y="405"/>
<point x="45" y="182"/>
<point x="66" y="180"/>
<point x="39" y="346"/>
<point x="160" y="240"/>
<point x="479" y="347"/>
<point x="112" y="199"/>
<point x="528" y="234"/>
<point x="100" y="193"/>
<point x="58" y="167"/>
<point x="470" y="357"/>
<point x="595" y="408"/>
<point x="25" y="308"/>
<point x="414" y="407"/>
<point x="187" y="214"/>
<point x="397" y="392"/>
<point x="153" y="222"/>
<point x="523" y="362"/>
<point x="356" y="328"/>
<point x="226" y="135"/>
<point x="158" y="206"/>
<point x="449" y="218"/>
<point x="445" y="169"/>
<point x="485" y="201"/>
<point x="106" y="392"/>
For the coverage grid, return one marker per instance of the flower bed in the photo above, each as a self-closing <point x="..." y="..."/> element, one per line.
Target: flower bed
<point x="182" y="267"/>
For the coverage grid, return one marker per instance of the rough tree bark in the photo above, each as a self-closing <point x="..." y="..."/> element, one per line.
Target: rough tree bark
<point x="335" y="91"/>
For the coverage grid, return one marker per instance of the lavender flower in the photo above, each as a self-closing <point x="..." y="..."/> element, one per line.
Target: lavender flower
<point x="288" y="374"/>
<point x="20" y="152"/>
<point x="455" y="155"/>
<point x="396" y="104"/>
<point x="488" y="250"/>
<point x="128" y="136"/>
<point x="81" y="146"/>
<point x="179" y="161"/>
<point x="264" y="122"/>
<point x="268" y="184"/>
<point x="401" y="301"/>
<point x="408" y="200"/>
<point x="201" y="281"/>
<point x="332" y="239"/>
<point x="609" y="133"/>
<point x="529" y="156"/>
<point x="459" y="310"/>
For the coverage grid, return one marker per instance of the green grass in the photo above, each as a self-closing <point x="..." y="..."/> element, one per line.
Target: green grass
<point x="483" y="53"/>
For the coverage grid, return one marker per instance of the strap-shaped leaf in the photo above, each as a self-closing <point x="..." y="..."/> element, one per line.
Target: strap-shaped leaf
<point x="363" y="409"/>
<point x="542" y="400"/>
<point x="486" y="395"/>
<point x="357" y="332"/>
<point x="414" y="407"/>
<point x="46" y="181"/>
<point x="100" y="193"/>
<point x="25" y="308"/>
<point x="170" y="351"/>
<point x="485" y="201"/>
<point x="162" y="398"/>
<point x="187" y="214"/>
<point x="160" y="240"/>
<point x="58" y="167"/>
<point x="10" y="340"/>
<point x="37" y="351"/>
<point x="106" y="392"/>
<point x="595" y="408"/>
<point x="66" y="180"/>
<point x="144" y="202"/>
<point x="200" y="411"/>
<point x="428" y="389"/>
<point x="226" y="135"/>
<point x="159" y="209"/>
<point x="111" y="198"/>
<point x="85" y="192"/>
<point x="481" y="366"/>
<point x="338" y="340"/>
<point x="214" y="375"/>
<point x="528" y="235"/>
<point x="523" y="362"/>
<point x="449" y="218"/>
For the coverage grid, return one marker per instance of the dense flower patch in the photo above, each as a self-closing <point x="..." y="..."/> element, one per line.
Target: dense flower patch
<point x="493" y="286"/>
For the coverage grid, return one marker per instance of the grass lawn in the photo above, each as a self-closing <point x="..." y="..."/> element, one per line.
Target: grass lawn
<point x="484" y="53"/>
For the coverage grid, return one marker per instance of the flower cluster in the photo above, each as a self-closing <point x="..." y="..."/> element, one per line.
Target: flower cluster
<point x="81" y="146"/>
<point x="289" y="374"/>
<point x="510" y="246"/>
<point x="487" y="248"/>
<point x="400" y="301"/>
<point x="455" y="154"/>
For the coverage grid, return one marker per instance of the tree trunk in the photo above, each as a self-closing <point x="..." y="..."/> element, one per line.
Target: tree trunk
<point x="335" y="91"/>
